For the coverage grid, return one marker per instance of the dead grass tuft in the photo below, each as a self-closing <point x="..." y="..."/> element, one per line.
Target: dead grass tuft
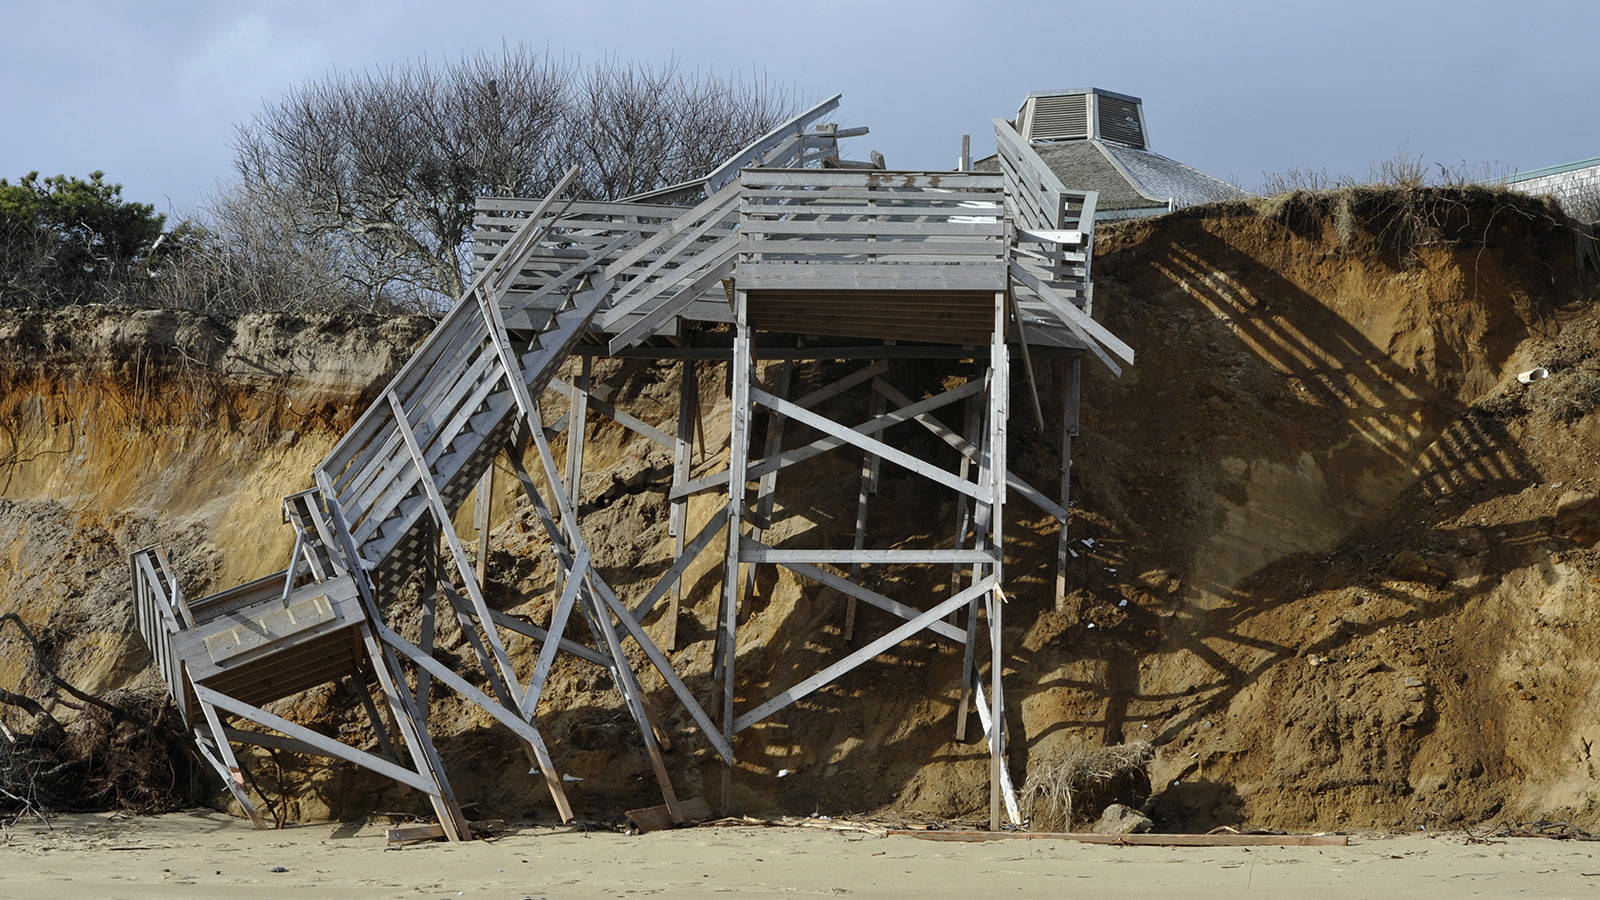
<point x="1069" y="785"/>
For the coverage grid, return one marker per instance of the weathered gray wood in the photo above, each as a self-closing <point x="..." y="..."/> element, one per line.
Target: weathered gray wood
<point x="867" y="652"/>
<point x="823" y="445"/>
<point x="625" y="419"/>
<point x="761" y="553"/>
<point x="969" y="451"/>
<point x="1093" y="332"/>
<point x="1073" y="371"/>
<point x="856" y="438"/>
<point x="738" y="460"/>
<point x="757" y="149"/>
<point x="506" y="716"/>
<point x="674" y="574"/>
<point x="768" y="483"/>
<point x="999" y="400"/>
<point x="867" y="595"/>
<point x="717" y="266"/>
<point x="326" y="745"/>
<point x="868" y="485"/>
<point x="208" y="750"/>
<point x="678" y="515"/>
<point x="686" y="220"/>
<point x="558" y="627"/>
<point x="441" y="515"/>
<point x="667" y="672"/>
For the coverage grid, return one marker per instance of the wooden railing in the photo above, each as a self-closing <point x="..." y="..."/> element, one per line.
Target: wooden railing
<point x="870" y="230"/>
<point x="157" y="608"/>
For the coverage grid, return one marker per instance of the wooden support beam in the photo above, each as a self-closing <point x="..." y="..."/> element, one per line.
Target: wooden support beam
<point x="674" y="574"/>
<point x="632" y="423"/>
<point x="738" y="460"/>
<point x="999" y="412"/>
<point x="504" y="714"/>
<point x="481" y="511"/>
<point x="968" y="449"/>
<point x="678" y="514"/>
<point x="868" y="486"/>
<point x="408" y="718"/>
<point x="1073" y="371"/>
<point x="823" y="445"/>
<point x="558" y="627"/>
<point x="855" y="437"/>
<point x="326" y="745"/>
<point x="769" y="482"/>
<point x="867" y="652"/>
<point x="853" y="589"/>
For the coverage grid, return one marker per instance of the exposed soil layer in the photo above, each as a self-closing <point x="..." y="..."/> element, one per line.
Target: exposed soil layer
<point x="1332" y="559"/>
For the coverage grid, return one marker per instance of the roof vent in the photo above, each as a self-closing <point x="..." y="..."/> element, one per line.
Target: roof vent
<point x="1071" y="116"/>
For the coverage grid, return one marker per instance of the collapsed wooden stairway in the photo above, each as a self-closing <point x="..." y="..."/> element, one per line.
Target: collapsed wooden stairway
<point x="1008" y="252"/>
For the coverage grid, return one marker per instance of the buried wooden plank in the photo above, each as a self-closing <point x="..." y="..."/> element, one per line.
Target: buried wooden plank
<point x="1136" y="840"/>
<point x="405" y="834"/>
<point x="659" y="818"/>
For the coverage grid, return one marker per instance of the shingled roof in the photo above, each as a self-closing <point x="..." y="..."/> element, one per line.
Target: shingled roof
<point x="1132" y="181"/>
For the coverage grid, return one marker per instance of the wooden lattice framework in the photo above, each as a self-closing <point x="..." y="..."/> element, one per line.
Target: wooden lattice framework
<point x="765" y="258"/>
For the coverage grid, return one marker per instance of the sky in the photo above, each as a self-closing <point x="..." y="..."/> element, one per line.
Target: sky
<point x="151" y="91"/>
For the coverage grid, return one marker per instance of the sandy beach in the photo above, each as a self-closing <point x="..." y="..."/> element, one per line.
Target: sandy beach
<point x="207" y="854"/>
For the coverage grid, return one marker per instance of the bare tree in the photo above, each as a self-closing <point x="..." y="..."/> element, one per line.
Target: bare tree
<point x="381" y="168"/>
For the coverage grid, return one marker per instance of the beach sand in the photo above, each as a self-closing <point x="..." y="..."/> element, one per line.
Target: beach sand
<point x="207" y="854"/>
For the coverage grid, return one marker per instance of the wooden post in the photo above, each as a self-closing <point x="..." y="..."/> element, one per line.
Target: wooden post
<point x="481" y="510"/>
<point x="999" y="403"/>
<point x="738" y="461"/>
<point x="577" y="429"/>
<point x="869" y="485"/>
<point x="963" y="502"/>
<point x="1069" y="429"/>
<point x="678" y="517"/>
<point x="966" y="153"/>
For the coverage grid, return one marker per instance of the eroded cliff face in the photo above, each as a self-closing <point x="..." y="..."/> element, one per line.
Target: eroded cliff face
<point x="1331" y="557"/>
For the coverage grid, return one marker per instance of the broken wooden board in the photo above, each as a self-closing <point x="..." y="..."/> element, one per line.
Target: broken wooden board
<point x="659" y="818"/>
<point x="1137" y="840"/>
<point x="405" y="834"/>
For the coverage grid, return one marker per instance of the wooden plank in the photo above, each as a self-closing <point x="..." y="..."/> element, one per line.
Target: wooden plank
<point x="823" y="445"/>
<point x="729" y="170"/>
<point x="875" y="276"/>
<point x="941" y="228"/>
<point x="867" y="652"/>
<point x="658" y="818"/>
<point x="999" y="413"/>
<point x="755" y="551"/>
<point x="1134" y="840"/>
<point x="684" y="221"/>
<point x="1073" y="316"/>
<point x="626" y="420"/>
<point x="678" y="514"/>
<point x="326" y="745"/>
<point x="755" y="177"/>
<point x="856" y="438"/>
<point x="969" y="451"/>
<point x="685" y="555"/>
<point x="558" y="627"/>
<point x="853" y="589"/>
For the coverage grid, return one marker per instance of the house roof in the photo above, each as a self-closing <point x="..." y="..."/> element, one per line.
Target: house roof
<point x="1126" y="178"/>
